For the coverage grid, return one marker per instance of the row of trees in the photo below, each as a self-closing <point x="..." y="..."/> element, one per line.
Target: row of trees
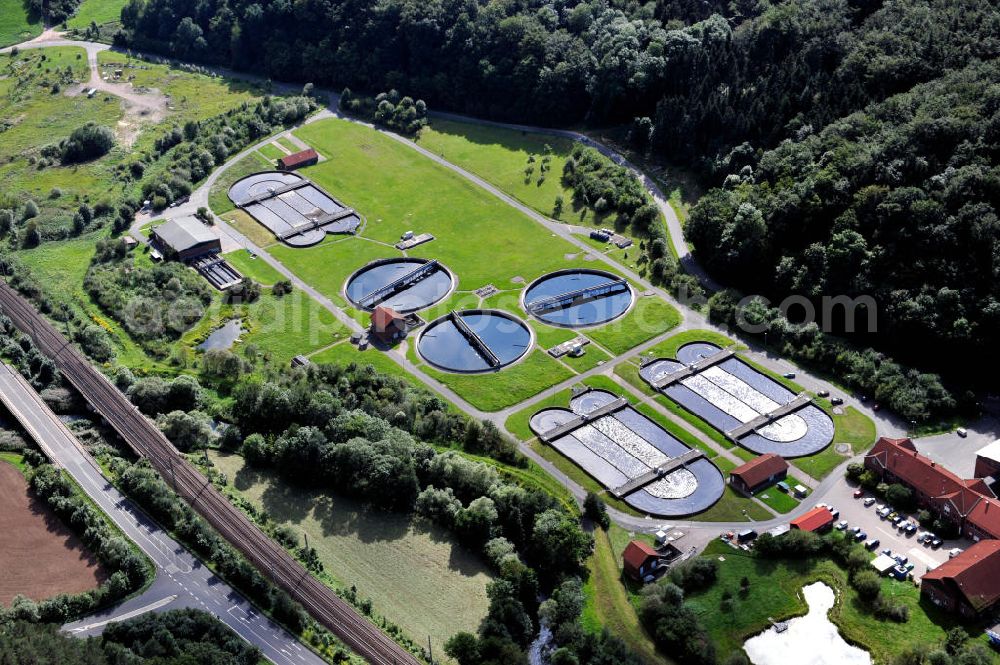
<point x="387" y="109"/>
<point x="176" y="637"/>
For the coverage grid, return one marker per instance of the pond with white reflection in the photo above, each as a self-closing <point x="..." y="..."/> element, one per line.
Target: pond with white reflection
<point x="809" y="640"/>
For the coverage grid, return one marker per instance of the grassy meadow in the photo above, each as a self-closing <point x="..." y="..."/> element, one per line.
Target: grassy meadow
<point x="413" y="572"/>
<point x="17" y="24"/>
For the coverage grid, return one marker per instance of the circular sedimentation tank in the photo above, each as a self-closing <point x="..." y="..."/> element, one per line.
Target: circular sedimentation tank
<point x="404" y="284"/>
<point x="474" y="340"/>
<point x="578" y="297"/>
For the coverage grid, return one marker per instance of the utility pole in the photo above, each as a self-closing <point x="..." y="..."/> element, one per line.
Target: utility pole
<point x="306" y="536"/>
<point x="430" y="650"/>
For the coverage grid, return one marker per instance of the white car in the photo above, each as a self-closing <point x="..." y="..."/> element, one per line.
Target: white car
<point x="869" y="501"/>
<point x="841" y="525"/>
<point x="954" y="552"/>
<point x="921" y="535"/>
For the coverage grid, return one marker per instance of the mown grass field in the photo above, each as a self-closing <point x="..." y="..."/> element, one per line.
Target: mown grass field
<point x="16" y="24"/>
<point x="96" y="11"/>
<point x="500" y="156"/>
<point x="256" y="269"/>
<point x="775" y="591"/>
<point x="271" y="151"/>
<point x="414" y="573"/>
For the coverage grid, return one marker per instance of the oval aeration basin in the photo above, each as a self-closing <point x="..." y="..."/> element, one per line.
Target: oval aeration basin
<point x="404" y="284"/>
<point x="578" y="297"/>
<point x="474" y="341"/>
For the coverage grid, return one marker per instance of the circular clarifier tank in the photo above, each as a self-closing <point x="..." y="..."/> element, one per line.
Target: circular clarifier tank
<point x="405" y="285"/>
<point x="474" y="340"/>
<point x="578" y="298"/>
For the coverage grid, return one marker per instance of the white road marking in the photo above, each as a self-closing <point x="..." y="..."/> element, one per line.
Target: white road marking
<point x="128" y="615"/>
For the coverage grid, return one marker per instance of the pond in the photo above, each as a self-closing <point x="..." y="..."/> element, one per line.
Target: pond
<point x="809" y="640"/>
<point x="224" y="336"/>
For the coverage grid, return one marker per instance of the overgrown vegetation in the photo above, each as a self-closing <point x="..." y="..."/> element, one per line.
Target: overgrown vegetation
<point x="387" y="109"/>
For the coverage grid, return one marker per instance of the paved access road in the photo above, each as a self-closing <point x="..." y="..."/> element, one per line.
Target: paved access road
<point x="181" y="579"/>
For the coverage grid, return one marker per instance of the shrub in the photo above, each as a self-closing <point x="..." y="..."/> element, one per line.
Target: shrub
<point x="88" y="142"/>
<point x="695" y="574"/>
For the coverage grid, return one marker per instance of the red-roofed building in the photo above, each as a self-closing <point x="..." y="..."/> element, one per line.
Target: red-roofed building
<point x="969" y="584"/>
<point x="816" y="520"/>
<point x="388" y="325"/>
<point x="640" y="561"/>
<point x="297" y="160"/>
<point x="968" y="504"/>
<point x="759" y="473"/>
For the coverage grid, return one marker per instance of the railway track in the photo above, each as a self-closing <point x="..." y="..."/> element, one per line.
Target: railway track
<point x="357" y="632"/>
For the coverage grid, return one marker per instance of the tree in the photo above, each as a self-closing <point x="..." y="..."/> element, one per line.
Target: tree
<point x="868" y="584"/>
<point x="595" y="510"/>
<point x="87" y="142"/>
<point x="187" y="430"/>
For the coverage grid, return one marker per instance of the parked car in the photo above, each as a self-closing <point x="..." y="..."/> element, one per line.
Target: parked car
<point x="869" y="501"/>
<point x="895" y="518"/>
<point x="834" y="512"/>
<point x="911" y="528"/>
<point x="879" y="507"/>
<point x="921" y="536"/>
<point x="954" y="552"/>
<point x="936" y="543"/>
<point x="901" y="559"/>
<point x="821" y="505"/>
<point x="858" y="493"/>
<point x="887" y="552"/>
<point x="841" y="525"/>
<point x="856" y="529"/>
<point x="789" y="375"/>
<point x="872" y="544"/>
<point x="860" y="535"/>
<point x="962" y="432"/>
<point x="885" y="512"/>
<point x="823" y="393"/>
<point x="836" y="401"/>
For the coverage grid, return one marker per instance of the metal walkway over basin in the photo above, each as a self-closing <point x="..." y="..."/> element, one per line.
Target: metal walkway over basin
<point x="801" y="400"/>
<point x="316" y="223"/>
<point x="669" y="466"/>
<point x="475" y="340"/>
<point x="581" y="420"/>
<point x="395" y="286"/>
<point x="576" y="297"/>
<point x="693" y="368"/>
<point x="276" y="191"/>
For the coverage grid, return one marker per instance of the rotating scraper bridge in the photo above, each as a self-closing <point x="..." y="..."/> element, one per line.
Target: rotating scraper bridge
<point x="475" y="340"/>
<point x="636" y="459"/>
<point x="403" y="284"/>
<point x="578" y="297"/>
<point x="749" y="407"/>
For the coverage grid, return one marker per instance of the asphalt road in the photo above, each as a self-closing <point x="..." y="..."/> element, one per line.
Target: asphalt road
<point x="181" y="579"/>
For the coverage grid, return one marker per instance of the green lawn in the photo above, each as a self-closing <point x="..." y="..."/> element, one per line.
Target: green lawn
<point x="16" y="24"/>
<point x="398" y="189"/>
<point x="256" y="269"/>
<point x="775" y="591"/>
<point x="327" y="266"/>
<point x="288" y="143"/>
<point x="500" y="156"/>
<point x="496" y="390"/>
<point x="649" y="317"/>
<point x="218" y="199"/>
<point x="414" y="572"/>
<point x="271" y="151"/>
<point x="96" y="11"/>
<point x="14" y="459"/>
<point x="291" y="325"/>
<point x="781" y="502"/>
<point x="668" y="347"/>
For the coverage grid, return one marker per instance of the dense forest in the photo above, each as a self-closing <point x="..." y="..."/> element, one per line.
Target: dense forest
<point x="852" y="144"/>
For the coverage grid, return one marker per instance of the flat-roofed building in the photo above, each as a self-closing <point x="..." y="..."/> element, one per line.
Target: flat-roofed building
<point x="185" y="239"/>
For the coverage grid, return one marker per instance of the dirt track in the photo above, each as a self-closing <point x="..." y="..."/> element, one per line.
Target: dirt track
<point x="45" y="558"/>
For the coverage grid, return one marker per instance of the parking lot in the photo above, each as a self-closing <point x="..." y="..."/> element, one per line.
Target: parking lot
<point x="853" y="510"/>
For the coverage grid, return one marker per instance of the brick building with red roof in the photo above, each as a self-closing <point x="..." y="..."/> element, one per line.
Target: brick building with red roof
<point x="759" y="473"/>
<point x="388" y="325"/>
<point x="296" y="160"/>
<point x="968" y="504"/>
<point x="816" y="520"/>
<point x="968" y="584"/>
<point x="640" y="561"/>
